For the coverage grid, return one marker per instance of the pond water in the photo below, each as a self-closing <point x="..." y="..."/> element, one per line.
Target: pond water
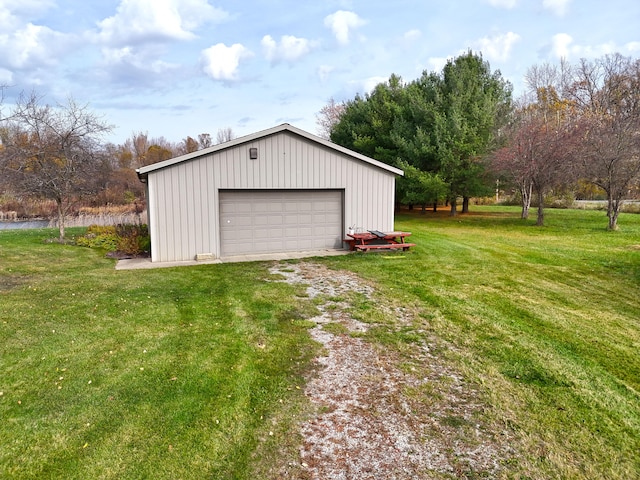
<point x="24" y="224"/>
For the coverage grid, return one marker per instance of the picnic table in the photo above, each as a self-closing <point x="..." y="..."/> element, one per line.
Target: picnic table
<point x="374" y="240"/>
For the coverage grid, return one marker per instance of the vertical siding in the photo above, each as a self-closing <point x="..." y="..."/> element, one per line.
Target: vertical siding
<point x="184" y="217"/>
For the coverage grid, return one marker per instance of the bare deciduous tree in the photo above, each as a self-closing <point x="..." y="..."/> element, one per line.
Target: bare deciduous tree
<point x="225" y="135"/>
<point x="515" y="160"/>
<point x="607" y="92"/>
<point x="328" y="116"/>
<point x="204" y="140"/>
<point x="548" y="75"/>
<point x="53" y="152"/>
<point x="541" y="149"/>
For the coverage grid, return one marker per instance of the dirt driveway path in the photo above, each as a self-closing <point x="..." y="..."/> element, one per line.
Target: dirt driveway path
<point x="385" y="413"/>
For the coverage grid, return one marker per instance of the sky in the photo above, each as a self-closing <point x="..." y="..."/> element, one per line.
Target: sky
<point x="178" y="68"/>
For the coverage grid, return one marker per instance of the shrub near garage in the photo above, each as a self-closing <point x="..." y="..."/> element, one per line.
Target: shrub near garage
<point x="133" y="239"/>
<point x="97" y="236"/>
<point x="125" y="239"/>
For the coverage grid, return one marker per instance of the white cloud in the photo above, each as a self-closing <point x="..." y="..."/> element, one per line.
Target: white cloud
<point x="559" y="7"/>
<point x="6" y="77"/>
<point x="25" y="45"/>
<point x="290" y="48"/>
<point x="7" y="20"/>
<point x="632" y="47"/>
<point x="412" y="35"/>
<point x="127" y="58"/>
<point x="324" y="71"/>
<point x="436" y="64"/>
<point x="157" y="20"/>
<point x="221" y="62"/>
<point x="372" y="82"/>
<point x="562" y="46"/>
<point x="342" y="23"/>
<point x="498" y="47"/>
<point x="503" y="3"/>
<point x="32" y="46"/>
<point x="13" y="13"/>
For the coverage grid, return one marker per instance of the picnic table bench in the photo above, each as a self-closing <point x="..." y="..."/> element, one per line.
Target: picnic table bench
<point x="374" y="240"/>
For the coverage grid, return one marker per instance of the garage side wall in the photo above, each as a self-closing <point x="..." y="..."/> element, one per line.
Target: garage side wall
<point x="185" y="220"/>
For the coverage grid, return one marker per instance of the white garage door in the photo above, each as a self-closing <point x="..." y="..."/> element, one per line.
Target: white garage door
<point x="269" y="221"/>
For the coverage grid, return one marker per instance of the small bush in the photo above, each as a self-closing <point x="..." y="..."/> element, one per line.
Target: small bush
<point x="133" y="239"/>
<point x="97" y="236"/>
<point x="126" y="239"/>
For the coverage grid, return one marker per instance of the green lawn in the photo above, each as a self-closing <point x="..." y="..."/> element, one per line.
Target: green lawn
<point x="546" y="320"/>
<point x="192" y="372"/>
<point x="170" y="373"/>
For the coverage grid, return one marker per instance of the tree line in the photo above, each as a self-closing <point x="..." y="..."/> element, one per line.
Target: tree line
<point x="58" y="153"/>
<point x="454" y="132"/>
<point x="457" y="132"/>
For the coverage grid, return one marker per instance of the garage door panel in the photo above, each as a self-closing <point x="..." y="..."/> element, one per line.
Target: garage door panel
<point x="274" y="220"/>
<point x="260" y="208"/>
<point x="291" y="219"/>
<point x="274" y="233"/>
<point x="241" y="207"/>
<point x="279" y="221"/>
<point x="238" y="248"/>
<point x="274" y="207"/>
<point x="239" y="221"/>
<point x="274" y="246"/>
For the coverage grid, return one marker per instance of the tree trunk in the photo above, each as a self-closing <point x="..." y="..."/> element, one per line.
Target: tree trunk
<point x="613" y="221"/>
<point x="465" y="204"/>
<point x="61" y="219"/>
<point x="435" y="207"/>
<point x="454" y="203"/>
<point x="613" y="210"/>
<point x="526" y="200"/>
<point x="540" y="220"/>
<point x="424" y="208"/>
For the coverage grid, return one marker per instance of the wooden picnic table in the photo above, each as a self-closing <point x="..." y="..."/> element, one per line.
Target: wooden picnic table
<point x="379" y="240"/>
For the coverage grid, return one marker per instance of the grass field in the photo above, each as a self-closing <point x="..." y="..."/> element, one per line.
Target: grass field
<point x="193" y="372"/>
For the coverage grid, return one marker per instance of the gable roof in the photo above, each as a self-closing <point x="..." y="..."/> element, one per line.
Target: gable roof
<point x="285" y="127"/>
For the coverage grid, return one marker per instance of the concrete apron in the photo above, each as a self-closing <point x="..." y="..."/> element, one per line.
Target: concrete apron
<point x="146" y="263"/>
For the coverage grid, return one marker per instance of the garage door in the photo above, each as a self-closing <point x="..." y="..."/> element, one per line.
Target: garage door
<point x="279" y="221"/>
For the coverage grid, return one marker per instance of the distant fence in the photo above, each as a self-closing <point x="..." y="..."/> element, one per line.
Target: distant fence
<point x="629" y="206"/>
<point x="103" y="219"/>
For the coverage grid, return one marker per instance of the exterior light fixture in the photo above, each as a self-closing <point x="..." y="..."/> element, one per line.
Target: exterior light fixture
<point x="253" y="153"/>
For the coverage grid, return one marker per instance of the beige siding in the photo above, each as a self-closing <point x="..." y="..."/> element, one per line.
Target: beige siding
<point x="184" y="217"/>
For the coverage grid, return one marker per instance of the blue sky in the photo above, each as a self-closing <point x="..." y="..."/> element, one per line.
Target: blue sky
<point x="174" y="68"/>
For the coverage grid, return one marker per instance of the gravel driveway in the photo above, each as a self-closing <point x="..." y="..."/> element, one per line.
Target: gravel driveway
<point x="385" y="413"/>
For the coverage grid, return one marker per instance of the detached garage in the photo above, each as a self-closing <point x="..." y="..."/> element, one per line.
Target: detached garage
<point x="279" y="190"/>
